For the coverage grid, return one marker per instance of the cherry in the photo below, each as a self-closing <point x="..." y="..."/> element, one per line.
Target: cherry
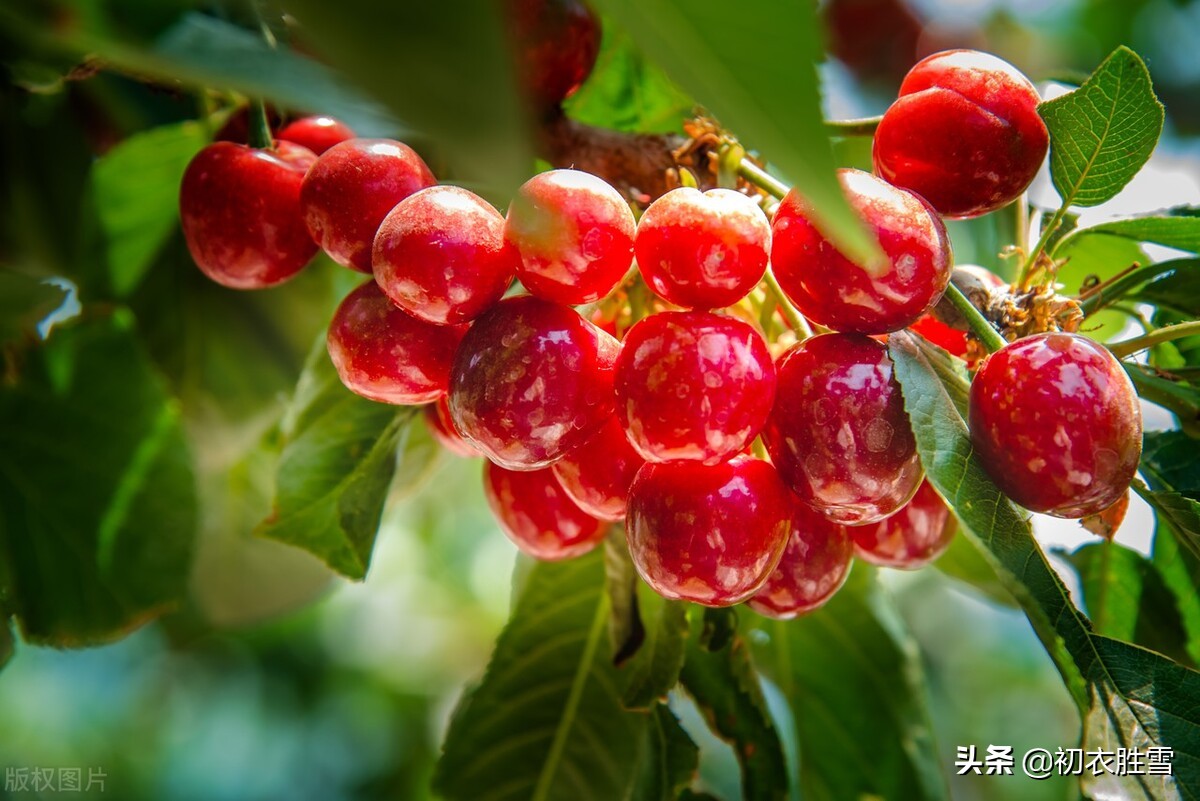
<point x="351" y="188"/>
<point x="597" y="473"/>
<point x="318" y="134"/>
<point x="942" y="335"/>
<point x="834" y="291"/>
<point x="383" y="353"/>
<point x="532" y="380"/>
<point x="875" y="39"/>
<point x="838" y="432"/>
<point x="240" y="209"/>
<point x="437" y="417"/>
<point x="1057" y="424"/>
<point x="556" y="42"/>
<point x="702" y="250"/>
<point x="574" y="233"/>
<point x="693" y="385"/>
<point x="964" y="133"/>
<point x="440" y="255"/>
<point x="814" y="566"/>
<point x="537" y="515"/>
<point x="912" y="537"/>
<point x="707" y="533"/>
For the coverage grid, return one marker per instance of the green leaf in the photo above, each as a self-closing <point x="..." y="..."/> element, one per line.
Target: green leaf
<point x="668" y="760"/>
<point x="654" y="671"/>
<point x="1088" y="258"/>
<point x="1176" y="287"/>
<point x="853" y="677"/>
<point x="1180" y="571"/>
<point x="1128" y="697"/>
<point x="725" y="686"/>
<point x="337" y="464"/>
<point x="24" y="302"/>
<point x="1179" y="397"/>
<point x="136" y="191"/>
<point x="1171" y="461"/>
<point x="754" y="68"/>
<point x="1126" y="598"/>
<point x="963" y="562"/>
<point x="1102" y="133"/>
<point x="626" y="632"/>
<point x="97" y="496"/>
<point x="546" y="723"/>
<point x="1182" y="233"/>
<point x="6" y="643"/>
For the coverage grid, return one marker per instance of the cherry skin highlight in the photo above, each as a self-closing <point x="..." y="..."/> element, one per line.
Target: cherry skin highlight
<point x="597" y="474"/>
<point x="964" y="133"/>
<point x="538" y="516"/>
<point x="838" y="432"/>
<point x="556" y="42"/>
<point x="318" y="134"/>
<point x="574" y="234"/>
<point x="441" y="426"/>
<point x="830" y="289"/>
<point x="693" y="385"/>
<point x="385" y="354"/>
<point x="531" y="381"/>
<point x="240" y="210"/>
<point x="711" y="534"/>
<point x="814" y="566"/>
<point x="351" y="188"/>
<point x="702" y="250"/>
<point x="1057" y="424"/>
<point x="914" y="536"/>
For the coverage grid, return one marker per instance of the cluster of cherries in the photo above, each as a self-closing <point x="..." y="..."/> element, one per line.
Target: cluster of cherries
<point x="740" y="475"/>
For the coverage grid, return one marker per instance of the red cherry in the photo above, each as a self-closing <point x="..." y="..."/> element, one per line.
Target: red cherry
<point x="538" y="516"/>
<point x="383" y="353"/>
<point x="838" y="431"/>
<point x="707" y="533"/>
<point x="574" y="234"/>
<point x="556" y="42"/>
<point x="318" y="134"/>
<point x="240" y="209"/>
<point x="814" y="566"/>
<point x="834" y="291"/>
<point x="437" y="417"/>
<point x="440" y="255"/>
<point x="351" y="188"/>
<point x="702" y="250"/>
<point x="912" y="537"/>
<point x="964" y="133"/>
<point x="942" y="335"/>
<point x="532" y="380"/>
<point x="1057" y="424"/>
<point x="597" y="474"/>
<point x="693" y="385"/>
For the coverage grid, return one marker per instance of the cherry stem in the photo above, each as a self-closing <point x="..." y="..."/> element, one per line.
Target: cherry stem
<point x="762" y="179"/>
<point x="1099" y="297"/>
<point x="862" y="126"/>
<point x="1165" y="334"/>
<point x="980" y="327"/>
<point x="794" y="317"/>
<point x="260" y="128"/>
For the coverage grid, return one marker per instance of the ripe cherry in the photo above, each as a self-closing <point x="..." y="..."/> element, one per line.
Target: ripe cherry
<point x="1057" y="424"/>
<point x="597" y="473"/>
<point x="942" y="335"/>
<point x="440" y="255"/>
<point x="709" y="534"/>
<point x="574" y="233"/>
<point x="913" y="537"/>
<point x="834" y="291"/>
<point x="964" y="133"/>
<point x="538" y="516"/>
<point x="532" y="380"/>
<point x="318" y="134"/>
<point x="556" y="43"/>
<point x="838" y="432"/>
<point x="437" y="417"/>
<point x="814" y="566"/>
<point x="693" y="385"/>
<point x="240" y="209"/>
<point x="702" y="250"/>
<point x="383" y="353"/>
<point x="351" y="188"/>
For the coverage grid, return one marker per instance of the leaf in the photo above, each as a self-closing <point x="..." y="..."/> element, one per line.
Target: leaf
<point x="654" y="670"/>
<point x="1126" y="598"/>
<point x="97" y="496"/>
<point x="963" y="562"/>
<point x="625" y="629"/>
<point x="1178" y="397"/>
<point x="1088" y="258"/>
<point x="726" y="688"/>
<point x="6" y="643"/>
<point x="1102" y="133"/>
<point x="754" y="68"/>
<point x="335" y="470"/>
<point x="24" y="301"/>
<point x="1180" y="571"/>
<point x="136" y="190"/>
<point x="853" y="678"/>
<point x="1171" y="466"/>
<point x="668" y="761"/>
<point x="1176" y="288"/>
<point x="1182" y="233"/>
<point x="1128" y="697"/>
<point x="546" y="723"/>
